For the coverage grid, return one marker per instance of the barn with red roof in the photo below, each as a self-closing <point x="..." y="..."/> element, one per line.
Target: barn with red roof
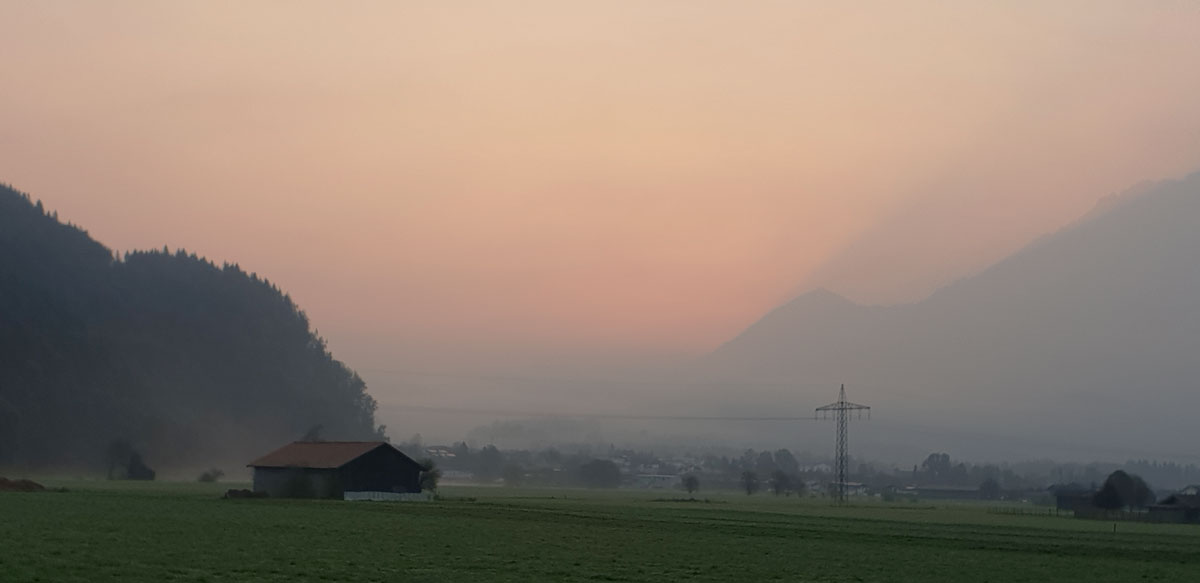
<point x="330" y="469"/>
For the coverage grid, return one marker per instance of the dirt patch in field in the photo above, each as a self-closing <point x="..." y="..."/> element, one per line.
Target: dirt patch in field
<point x="7" y="485"/>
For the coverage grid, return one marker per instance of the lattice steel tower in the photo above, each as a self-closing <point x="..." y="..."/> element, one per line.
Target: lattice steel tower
<point x="842" y="411"/>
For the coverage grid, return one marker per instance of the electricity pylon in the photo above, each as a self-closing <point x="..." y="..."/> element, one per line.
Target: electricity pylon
<point x="841" y="410"/>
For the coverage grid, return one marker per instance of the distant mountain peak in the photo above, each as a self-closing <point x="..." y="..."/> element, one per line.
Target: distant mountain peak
<point x="822" y="296"/>
<point x="813" y="302"/>
<point x="1074" y="321"/>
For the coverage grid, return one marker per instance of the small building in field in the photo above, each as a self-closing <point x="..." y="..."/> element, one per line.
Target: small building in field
<point x="331" y="469"/>
<point x="1177" y="508"/>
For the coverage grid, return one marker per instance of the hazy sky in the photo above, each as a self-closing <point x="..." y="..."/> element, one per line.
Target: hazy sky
<point x="456" y="184"/>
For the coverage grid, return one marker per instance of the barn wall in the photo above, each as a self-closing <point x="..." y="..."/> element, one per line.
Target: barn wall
<point x="297" y="482"/>
<point x="383" y="469"/>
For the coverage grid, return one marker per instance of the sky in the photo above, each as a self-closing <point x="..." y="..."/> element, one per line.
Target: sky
<point x="501" y="186"/>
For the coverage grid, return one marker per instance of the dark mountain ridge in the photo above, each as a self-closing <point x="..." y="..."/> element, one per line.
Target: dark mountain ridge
<point x="188" y="361"/>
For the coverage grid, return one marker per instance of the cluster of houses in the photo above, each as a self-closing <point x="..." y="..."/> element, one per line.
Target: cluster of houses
<point x="1180" y="507"/>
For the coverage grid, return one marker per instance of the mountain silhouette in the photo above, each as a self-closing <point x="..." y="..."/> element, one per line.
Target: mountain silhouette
<point x="1090" y="334"/>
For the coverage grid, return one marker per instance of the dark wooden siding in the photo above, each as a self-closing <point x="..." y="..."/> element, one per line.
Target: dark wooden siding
<point x="298" y="482"/>
<point x="383" y="469"/>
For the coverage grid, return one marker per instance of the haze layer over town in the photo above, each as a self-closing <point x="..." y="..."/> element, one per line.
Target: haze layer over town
<point x="981" y="218"/>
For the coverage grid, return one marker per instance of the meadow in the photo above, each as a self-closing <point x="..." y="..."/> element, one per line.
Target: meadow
<point x="104" y="531"/>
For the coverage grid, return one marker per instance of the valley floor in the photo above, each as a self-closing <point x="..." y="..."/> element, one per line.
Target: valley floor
<point x="101" y="531"/>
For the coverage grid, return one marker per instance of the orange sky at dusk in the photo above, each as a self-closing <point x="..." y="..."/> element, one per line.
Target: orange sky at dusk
<point x="479" y="182"/>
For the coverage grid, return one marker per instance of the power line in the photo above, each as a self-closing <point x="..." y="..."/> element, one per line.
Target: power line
<point x="584" y="381"/>
<point x="617" y="416"/>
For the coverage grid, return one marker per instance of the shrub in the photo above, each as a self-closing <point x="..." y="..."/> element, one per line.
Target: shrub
<point x="691" y="483"/>
<point x="430" y="475"/>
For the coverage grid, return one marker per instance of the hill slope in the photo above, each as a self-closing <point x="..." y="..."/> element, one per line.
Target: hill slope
<point x="186" y="360"/>
<point x="1091" y="334"/>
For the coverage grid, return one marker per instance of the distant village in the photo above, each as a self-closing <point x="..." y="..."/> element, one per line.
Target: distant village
<point x="314" y="468"/>
<point x="1084" y="490"/>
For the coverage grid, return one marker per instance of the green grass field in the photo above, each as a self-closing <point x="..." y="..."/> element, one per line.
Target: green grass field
<point x="101" y="531"/>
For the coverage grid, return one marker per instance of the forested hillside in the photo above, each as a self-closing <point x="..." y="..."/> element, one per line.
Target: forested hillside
<point x="186" y="360"/>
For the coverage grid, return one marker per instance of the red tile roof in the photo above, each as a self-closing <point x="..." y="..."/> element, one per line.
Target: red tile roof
<point x="316" y="454"/>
